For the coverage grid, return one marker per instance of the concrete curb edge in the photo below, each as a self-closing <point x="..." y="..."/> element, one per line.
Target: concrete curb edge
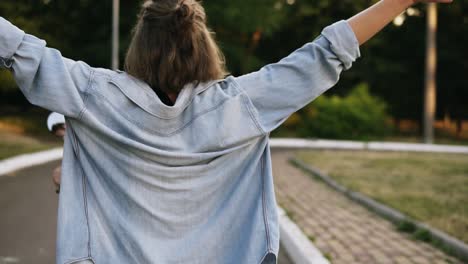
<point x="299" y="248"/>
<point x="448" y="243"/>
<point x="29" y="160"/>
<point x="293" y="143"/>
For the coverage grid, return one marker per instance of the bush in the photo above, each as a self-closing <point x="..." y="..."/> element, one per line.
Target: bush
<point x="7" y="83"/>
<point x="356" y="116"/>
<point x="10" y="94"/>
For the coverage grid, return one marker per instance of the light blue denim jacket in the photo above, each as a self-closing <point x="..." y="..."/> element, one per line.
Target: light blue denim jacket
<point x="143" y="182"/>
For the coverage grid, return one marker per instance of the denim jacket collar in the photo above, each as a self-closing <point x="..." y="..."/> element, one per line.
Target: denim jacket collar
<point x="147" y="99"/>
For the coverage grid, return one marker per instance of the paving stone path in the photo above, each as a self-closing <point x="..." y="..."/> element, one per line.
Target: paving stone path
<point x="342" y="230"/>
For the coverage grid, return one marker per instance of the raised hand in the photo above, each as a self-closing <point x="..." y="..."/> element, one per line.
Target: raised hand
<point x="433" y="1"/>
<point x="370" y="21"/>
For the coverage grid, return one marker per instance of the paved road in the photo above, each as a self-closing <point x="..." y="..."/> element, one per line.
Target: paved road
<point x="28" y="220"/>
<point x="27" y="224"/>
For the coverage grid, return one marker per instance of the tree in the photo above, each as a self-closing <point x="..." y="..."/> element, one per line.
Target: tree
<point x="253" y="33"/>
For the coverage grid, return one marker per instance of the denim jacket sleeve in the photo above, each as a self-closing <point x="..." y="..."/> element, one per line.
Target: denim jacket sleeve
<point x="45" y="77"/>
<point x="280" y="89"/>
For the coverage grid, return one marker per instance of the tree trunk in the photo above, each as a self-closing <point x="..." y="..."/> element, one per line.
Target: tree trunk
<point x="431" y="68"/>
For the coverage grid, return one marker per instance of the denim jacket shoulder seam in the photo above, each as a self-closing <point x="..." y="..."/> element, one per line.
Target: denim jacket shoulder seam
<point x="245" y="101"/>
<point x="86" y="92"/>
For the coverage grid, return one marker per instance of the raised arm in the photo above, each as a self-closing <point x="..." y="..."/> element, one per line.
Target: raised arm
<point x="370" y="21"/>
<point x="45" y="77"/>
<point x="279" y="89"/>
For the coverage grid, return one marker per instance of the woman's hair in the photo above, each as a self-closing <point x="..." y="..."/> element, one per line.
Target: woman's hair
<point x="172" y="46"/>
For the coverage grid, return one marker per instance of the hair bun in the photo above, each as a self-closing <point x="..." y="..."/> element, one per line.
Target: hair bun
<point x="169" y="14"/>
<point x="184" y="13"/>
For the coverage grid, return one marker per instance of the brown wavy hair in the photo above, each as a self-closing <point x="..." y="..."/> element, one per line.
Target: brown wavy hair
<point x="172" y="46"/>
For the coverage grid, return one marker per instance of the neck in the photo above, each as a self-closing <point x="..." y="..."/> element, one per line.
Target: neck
<point x="173" y="97"/>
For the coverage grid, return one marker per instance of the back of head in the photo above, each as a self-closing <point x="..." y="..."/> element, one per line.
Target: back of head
<point x="172" y="46"/>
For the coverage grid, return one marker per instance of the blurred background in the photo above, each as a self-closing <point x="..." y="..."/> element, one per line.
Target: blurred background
<point x="382" y="98"/>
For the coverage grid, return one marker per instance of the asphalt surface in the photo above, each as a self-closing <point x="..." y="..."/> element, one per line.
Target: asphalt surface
<point x="28" y="203"/>
<point x="28" y="206"/>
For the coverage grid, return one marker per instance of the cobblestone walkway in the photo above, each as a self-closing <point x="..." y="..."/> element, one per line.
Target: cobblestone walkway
<point x="342" y="230"/>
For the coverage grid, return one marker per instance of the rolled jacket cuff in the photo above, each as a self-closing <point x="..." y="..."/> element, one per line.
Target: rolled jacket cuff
<point x="10" y="39"/>
<point x="343" y="42"/>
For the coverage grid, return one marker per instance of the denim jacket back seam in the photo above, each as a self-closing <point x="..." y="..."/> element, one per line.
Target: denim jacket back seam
<point x="265" y="218"/>
<point x="159" y="132"/>
<point x="80" y="259"/>
<point x="76" y="151"/>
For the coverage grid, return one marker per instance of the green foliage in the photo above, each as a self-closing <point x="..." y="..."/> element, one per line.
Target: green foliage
<point x="253" y="33"/>
<point x="240" y="26"/>
<point x="359" y="115"/>
<point x="7" y="82"/>
<point x="406" y="226"/>
<point x="423" y="235"/>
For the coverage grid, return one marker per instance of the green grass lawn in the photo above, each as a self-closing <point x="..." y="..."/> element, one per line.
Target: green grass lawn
<point x="25" y="132"/>
<point x="13" y="144"/>
<point x="432" y="188"/>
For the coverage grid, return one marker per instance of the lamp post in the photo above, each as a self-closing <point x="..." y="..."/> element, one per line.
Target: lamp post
<point x="115" y="34"/>
<point x="431" y="71"/>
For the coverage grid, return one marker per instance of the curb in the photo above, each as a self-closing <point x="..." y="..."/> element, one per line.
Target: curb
<point x="291" y="143"/>
<point x="29" y="160"/>
<point x="299" y="248"/>
<point x="447" y="243"/>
